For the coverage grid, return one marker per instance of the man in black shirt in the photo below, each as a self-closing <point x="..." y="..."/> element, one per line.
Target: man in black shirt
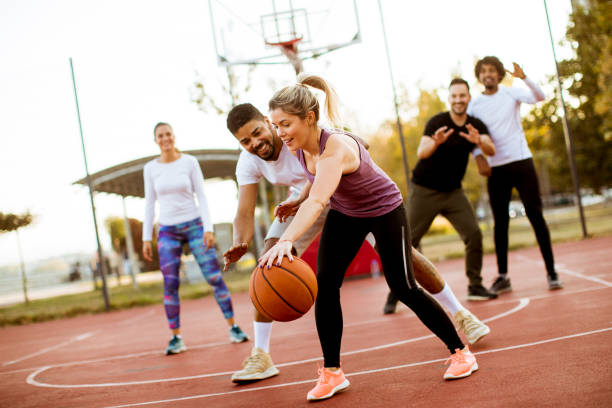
<point x="443" y="154"/>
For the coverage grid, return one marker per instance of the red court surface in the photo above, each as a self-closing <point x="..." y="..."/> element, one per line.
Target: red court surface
<point x="545" y="349"/>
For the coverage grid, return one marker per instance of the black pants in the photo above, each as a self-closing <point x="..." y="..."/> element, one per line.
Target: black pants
<point x="341" y="239"/>
<point x="522" y="175"/>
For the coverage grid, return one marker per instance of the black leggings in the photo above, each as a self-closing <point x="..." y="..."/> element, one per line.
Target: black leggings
<point x="522" y="175"/>
<point x="341" y="239"/>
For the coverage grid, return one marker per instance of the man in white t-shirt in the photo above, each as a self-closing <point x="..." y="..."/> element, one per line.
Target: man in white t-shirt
<point x="266" y="156"/>
<point x="512" y="164"/>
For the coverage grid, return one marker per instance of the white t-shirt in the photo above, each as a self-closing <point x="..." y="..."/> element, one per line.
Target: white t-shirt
<point x="501" y="113"/>
<point x="284" y="171"/>
<point x="173" y="185"/>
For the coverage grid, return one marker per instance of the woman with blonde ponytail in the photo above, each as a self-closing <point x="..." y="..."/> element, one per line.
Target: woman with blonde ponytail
<point x="363" y="199"/>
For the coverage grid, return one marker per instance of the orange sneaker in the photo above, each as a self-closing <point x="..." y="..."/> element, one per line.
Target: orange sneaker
<point x="462" y="364"/>
<point x="328" y="384"/>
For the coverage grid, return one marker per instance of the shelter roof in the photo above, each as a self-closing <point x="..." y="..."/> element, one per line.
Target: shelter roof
<point x="126" y="179"/>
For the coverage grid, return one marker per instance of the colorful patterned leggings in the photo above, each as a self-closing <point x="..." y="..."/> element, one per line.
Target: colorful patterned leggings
<point x="170" y="247"/>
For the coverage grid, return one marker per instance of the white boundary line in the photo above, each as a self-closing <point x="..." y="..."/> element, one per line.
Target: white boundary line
<point x="561" y="268"/>
<point x="74" y="339"/>
<point x="45" y="350"/>
<point x="378" y="370"/>
<point x="31" y="379"/>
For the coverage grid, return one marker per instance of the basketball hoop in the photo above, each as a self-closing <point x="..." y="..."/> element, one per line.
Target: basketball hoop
<point x="292" y="43"/>
<point x="289" y="48"/>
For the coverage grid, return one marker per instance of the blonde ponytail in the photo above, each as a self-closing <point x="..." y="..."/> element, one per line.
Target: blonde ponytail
<point x="299" y="100"/>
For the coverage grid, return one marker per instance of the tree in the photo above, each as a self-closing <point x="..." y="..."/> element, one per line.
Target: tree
<point x="202" y="95"/>
<point x="587" y="78"/>
<point x="12" y="222"/>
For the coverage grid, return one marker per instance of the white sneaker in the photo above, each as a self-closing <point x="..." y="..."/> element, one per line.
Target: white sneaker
<point x="257" y="366"/>
<point x="469" y="324"/>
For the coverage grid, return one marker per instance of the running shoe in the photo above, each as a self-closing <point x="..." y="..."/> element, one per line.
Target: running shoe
<point x="462" y="364"/>
<point x="501" y="285"/>
<point x="237" y="335"/>
<point x="175" y="346"/>
<point x="479" y="292"/>
<point x="391" y="304"/>
<point x="329" y="383"/>
<point x="469" y="324"/>
<point x="554" y="283"/>
<point x="257" y="366"/>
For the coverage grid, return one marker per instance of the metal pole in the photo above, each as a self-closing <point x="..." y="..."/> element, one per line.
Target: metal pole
<point x="569" y="144"/>
<point x="91" y="198"/>
<point x="24" y="279"/>
<point x="399" y="123"/>
<point x="129" y="245"/>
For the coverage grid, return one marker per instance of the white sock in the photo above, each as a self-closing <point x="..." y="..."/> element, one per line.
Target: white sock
<point x="447" y="298"/>
<point x="262" y="335"/>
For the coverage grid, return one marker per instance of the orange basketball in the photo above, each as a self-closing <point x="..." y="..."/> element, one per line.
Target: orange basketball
<point x="283" y="293"/>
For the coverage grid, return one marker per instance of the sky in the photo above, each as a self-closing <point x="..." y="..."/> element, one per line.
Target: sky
<point x="135" y="63"/>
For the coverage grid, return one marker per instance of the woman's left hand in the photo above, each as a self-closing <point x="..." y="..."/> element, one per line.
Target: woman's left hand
<point x="278" y="251"/>
<point x="209" y="239"/>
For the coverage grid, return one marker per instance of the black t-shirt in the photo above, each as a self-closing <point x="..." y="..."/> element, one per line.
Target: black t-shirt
<point x="445" y="168"/>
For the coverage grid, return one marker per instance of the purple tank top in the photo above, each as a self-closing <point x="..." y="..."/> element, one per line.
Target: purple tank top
<point x="367" y="192"/>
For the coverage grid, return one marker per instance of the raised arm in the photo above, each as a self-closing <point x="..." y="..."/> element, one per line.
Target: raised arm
<point x="535" y="93"/>
<point x="429" y="144"/>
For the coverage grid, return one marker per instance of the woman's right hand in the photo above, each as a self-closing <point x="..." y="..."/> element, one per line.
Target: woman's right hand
<point x="147" y="251"/>
<point x="287" y="209"/>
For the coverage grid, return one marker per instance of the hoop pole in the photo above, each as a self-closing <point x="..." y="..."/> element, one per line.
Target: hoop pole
<point x="91" y="197"/>
<point x="569" y="143"/>
<point x="395" y="104"/>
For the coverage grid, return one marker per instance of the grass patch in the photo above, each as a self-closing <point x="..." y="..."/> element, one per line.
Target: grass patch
<point x="120" y="297"/>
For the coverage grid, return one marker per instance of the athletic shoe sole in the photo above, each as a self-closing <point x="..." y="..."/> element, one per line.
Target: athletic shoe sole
<point x="177" y="351"/>
<point x="504" y="290"/>
<point x="466" y="374"/>
<point x="270" y="372"/>
<point x="336" y="389"/>
<point x="479" y="298"/>
<point x="235" y="340"/>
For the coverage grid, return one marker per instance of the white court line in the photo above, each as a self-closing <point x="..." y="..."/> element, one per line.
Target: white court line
<point x="579" y="275"/>
<point x="45" y="350"/>
<point x="378" y="370"/>
<point x="77" y="338"/>
<point x="31" y="379"/>
<point x="561" y="268"/>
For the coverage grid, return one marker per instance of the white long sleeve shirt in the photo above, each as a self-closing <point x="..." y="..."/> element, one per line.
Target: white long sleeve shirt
<point x="175" y="186"/>
<point x="501" y="113"/>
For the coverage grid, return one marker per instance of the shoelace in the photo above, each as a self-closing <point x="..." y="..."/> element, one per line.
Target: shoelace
<point x="456" y="358"/>
<point x="323" y="376"/>
<point x="469" y="323"/>
<point x="253" y="362"/>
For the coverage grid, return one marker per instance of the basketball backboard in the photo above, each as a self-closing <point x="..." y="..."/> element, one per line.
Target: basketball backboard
<point x="249" y="32"/>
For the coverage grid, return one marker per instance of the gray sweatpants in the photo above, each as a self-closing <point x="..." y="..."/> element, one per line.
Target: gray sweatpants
<point x="425" y="204"/>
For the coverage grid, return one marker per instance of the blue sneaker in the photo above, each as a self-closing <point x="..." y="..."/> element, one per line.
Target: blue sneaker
<point x="237" y="335"/>
<point x="175" y="346"/>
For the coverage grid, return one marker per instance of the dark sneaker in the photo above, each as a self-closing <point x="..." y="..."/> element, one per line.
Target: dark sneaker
<point x="554" y="283"/>
<point x="175" y="346"/>
<point x="237" y="335"/>
<point x="391" y="304"/>
<point x="479" y="292"/>
<point x="501" y="285"/>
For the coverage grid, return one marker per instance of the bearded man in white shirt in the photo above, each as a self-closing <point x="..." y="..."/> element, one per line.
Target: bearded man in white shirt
<point x="512" y="164"/>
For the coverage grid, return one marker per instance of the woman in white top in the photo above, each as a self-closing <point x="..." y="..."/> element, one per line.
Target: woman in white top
<point x="172" y="180"/>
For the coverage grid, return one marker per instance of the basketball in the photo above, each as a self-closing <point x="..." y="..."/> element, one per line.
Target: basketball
<point x="283" y="293"/>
